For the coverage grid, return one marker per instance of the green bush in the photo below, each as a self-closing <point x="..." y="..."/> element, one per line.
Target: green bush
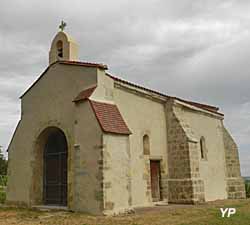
<point x="3" y="184"/>
<point x="2" y="196"/>
<point x="3" y="180"/>
<point x="247" y="186"/>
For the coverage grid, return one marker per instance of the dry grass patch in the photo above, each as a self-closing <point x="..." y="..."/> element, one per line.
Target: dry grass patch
<point x="207" y="214"/>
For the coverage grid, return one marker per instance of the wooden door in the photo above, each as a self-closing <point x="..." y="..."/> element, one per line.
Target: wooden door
<point x="155" y="180"/>
<point x="55" y="170"/>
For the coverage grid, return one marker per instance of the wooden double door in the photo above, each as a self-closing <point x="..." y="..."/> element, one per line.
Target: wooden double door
<point x="155" y="173"/>
<point x="55" y="169"/>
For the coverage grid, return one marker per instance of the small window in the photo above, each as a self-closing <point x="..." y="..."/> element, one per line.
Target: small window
<point x="146" y="145"/>
<point x="59" y="46"/>
<point x="203" y="148"/>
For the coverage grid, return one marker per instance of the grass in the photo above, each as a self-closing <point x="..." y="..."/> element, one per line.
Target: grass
<point x="207" y="214"/>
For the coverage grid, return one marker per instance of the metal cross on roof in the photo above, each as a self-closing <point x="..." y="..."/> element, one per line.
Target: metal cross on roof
<point x="62" y="25"/>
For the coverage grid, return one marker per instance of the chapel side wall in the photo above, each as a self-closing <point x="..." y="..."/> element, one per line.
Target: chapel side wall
<point x="235" y="183"/>
<point x="48" y="103"/>
<point x="88" y="157"/>
<point x="144" y="115"/>
<point x="212" y="168"/>
<point x="116" y="173"/>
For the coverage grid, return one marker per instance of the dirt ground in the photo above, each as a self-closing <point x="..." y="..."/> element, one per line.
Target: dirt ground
<point x="205" y="214"/>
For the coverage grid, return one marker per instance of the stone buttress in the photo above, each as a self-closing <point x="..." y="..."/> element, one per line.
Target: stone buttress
<point x="235" y="183"/>
<point x="184" y="182"/>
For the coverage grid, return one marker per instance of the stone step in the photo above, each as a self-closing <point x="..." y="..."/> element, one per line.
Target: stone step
<point x="50" y="208"/>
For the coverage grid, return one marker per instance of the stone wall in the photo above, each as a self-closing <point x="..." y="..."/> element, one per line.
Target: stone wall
<point x="146" y="177"/>
<point x="163" y="178"/>
<point x="235" y="183"/>
<point x="184" y="183"/>
<point x="116" y="174"/>
<point x="164" y="182"/>
<point x="88" y="162"/>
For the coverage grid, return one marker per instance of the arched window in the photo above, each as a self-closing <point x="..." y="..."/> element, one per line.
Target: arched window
<point x="59" y="46"/>
<point x="146" y="145"/>
<point x="203" y="148"/>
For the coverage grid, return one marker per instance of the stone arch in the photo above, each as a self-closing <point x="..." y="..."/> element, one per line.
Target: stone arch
<point x="63" y="47"/>
<point x="59" y="46"/>
<point x="203" y="148"/>
<point x="146" y="145"/>
<point x="38" y="164"/>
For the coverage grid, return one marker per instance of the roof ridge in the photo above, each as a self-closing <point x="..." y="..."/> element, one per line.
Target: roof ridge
<point x="81" y="63"/>
<point x="207" y="107"/>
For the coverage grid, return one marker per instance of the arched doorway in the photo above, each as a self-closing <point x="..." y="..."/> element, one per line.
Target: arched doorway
<point x="55" y="168"/>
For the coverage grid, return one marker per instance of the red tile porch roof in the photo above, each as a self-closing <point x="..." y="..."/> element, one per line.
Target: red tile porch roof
<point x="109" y="118"/>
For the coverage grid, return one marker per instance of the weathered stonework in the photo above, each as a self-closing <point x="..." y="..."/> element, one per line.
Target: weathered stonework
<point x="235" y="183"/>
<point x="146" y="177"/>
<point x="164" y="182"/>
<point x="186" y="191"/>
<point x="109" y="205"/>
<point x="236" y="188"/>
<point x="163" y="179"/>
<point x="184" y="185"/>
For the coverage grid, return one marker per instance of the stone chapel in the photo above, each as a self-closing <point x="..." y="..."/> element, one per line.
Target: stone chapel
<point x="89" y="141"/>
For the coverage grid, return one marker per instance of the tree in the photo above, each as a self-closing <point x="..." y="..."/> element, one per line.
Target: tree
<point x="3" y="163"/>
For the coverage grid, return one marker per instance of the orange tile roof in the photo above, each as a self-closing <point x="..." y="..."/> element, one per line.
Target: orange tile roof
<point x="109" y="118"/>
